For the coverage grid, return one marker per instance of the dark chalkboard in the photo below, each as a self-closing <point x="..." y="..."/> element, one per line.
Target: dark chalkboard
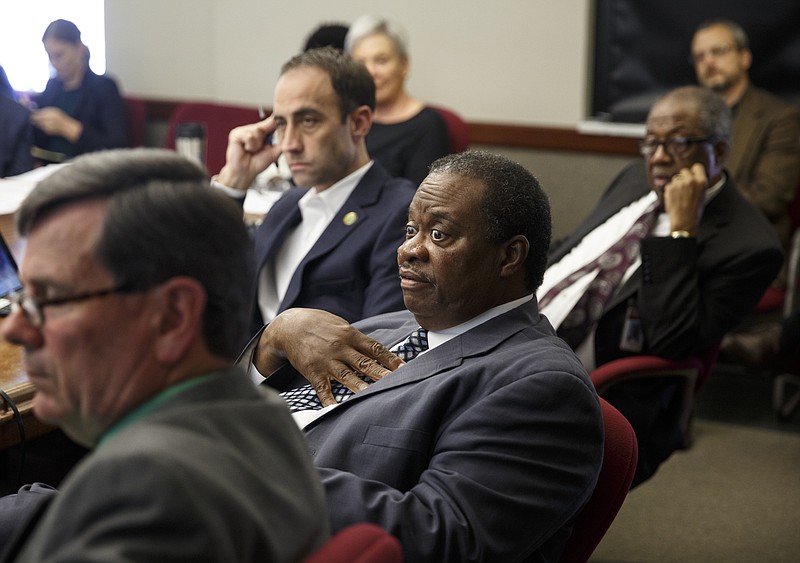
<point x="642" y="47"/>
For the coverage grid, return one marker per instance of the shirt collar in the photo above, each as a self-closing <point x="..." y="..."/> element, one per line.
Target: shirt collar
<point x="333" y="198"/>
<point x="438" y="337"/>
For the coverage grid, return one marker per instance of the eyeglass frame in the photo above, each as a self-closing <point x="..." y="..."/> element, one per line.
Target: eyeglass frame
<point x="672" y="143"/>
<point x="33" y="308"/>
<point x="716" y="52"/>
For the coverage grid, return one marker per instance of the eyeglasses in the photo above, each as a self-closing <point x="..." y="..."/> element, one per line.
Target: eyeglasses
<point x="716" y="52"/>
<point x="676" y="146"/>
<point x="33" y="308"/>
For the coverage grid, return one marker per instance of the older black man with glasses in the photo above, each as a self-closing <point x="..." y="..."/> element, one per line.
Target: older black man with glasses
<point x="670" y="259"/>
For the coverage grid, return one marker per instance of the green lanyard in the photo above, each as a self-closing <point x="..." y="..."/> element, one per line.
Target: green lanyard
<point x="146" y="408"/>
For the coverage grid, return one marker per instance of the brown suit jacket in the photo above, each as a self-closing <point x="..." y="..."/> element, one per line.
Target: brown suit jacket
<point x="765" y="157"/>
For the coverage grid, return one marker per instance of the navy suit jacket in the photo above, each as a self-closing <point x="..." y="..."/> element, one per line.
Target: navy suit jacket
<point x="482" y="449"/>
<point x="351" y="271"/>
<point x="689" y="292"/>
<point x="16" y="137"/>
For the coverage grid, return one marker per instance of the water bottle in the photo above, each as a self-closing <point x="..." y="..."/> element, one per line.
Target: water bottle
<point x="190" y="140"/>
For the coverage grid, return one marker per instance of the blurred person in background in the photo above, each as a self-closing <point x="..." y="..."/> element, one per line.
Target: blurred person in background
<point x="406" y="135"/>
<point x="16" y="132"/>
<point x="79" y="111"/>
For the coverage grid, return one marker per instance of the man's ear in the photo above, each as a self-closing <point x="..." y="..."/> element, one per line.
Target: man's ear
<point x="722" y="150"/>
<point x="747" y="59"/>
<point x="515" y="253"/>
<point x="183" y="303"/>
<point x="360" y="121"/>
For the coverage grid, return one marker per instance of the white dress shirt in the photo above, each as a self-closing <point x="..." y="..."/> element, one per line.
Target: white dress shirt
<point x="589" y="248"/>
<point x="317" y="210"/>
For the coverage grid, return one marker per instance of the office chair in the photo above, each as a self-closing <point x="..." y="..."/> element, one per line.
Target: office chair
<point x="693" y="373"/>
<point x="620" y="452"/>
<point x="784" y="402"/>
<point x="218" y="120"/>
<point x="774" y="298"/>
<point x="137" y="120"/>
<point x="457" y="129"/>
<point x="359" y="543"/>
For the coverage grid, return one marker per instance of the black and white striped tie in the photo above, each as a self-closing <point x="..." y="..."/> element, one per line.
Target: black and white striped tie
<point x="305" y="398"/>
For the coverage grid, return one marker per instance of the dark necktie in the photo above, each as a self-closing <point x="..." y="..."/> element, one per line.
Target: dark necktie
<point x="611" y="266"/>
<point x="305" y="398"/>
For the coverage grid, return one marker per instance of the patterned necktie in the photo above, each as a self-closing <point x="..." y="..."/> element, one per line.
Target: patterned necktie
<point x="611" y="267"/>
<point x="305" y="398"/>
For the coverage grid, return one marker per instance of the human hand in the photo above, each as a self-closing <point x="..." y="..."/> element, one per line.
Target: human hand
<point x="248" y="154"/>
<point x="54" y="121"/>
<point x="323" y="347"/>
<point x="684" y="196"/>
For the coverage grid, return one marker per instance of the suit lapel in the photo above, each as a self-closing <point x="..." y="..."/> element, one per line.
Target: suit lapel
<point x="346" y="222"/>
<point x="478" y="341"/>
<point x="284" y="216"/>
<point x="628" y="187"/>
<point x="715" y="216"/>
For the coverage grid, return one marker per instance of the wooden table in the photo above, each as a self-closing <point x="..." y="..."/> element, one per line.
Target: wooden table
<point x="13" y="379"/>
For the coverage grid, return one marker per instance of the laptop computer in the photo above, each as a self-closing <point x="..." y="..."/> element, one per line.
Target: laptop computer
<point x="9" y="278"/>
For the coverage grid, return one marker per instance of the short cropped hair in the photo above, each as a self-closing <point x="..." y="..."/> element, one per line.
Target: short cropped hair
<point x="514" y="204"/>
<point x="162" y="221"/>
<point x="369" y="25"/>
<point x="714" y="117"/>
<point x="327" y="35"/>
<point x="738" y="32"/>
<point x="350" y="79"/>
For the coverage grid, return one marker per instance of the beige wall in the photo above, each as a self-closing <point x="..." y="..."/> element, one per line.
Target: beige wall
<point x="522" y="62"/>
<point x="511" y="61"/>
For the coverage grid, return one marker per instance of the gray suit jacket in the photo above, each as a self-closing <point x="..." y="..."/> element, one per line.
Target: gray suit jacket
<point x="217" y="473"/>
<point x="482" y="449"/>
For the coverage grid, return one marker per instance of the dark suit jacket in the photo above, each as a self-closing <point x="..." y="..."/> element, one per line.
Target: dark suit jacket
<point x="689" y="292"/>
<point x="351" y="271"/>
<point x="16" y="137"/>
<point x="99" y="108"/>
<point x="482" y="449"/>
<point x="765" y="157"/>
<point x="218" y="472"/>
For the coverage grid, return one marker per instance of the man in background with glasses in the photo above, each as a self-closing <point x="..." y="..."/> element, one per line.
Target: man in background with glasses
<point x="765" y="155"/>
<point x="670" y="259"/>
<point x="764" y="160"/>
<point x="135" y="302"/>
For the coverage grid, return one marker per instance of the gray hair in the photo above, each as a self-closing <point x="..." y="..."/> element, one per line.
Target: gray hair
<point x="513" y="204"/>
<point x="738" y="32"/>
<point x="371" y="24"/>
<point x="713" y="116"/>
<point x="162" y="221"/>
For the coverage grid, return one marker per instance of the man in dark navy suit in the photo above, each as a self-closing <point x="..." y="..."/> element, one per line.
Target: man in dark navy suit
<point x="331" y="242"/>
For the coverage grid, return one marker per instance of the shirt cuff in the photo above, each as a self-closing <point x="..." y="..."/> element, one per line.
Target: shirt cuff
<point x="232" y="192"/>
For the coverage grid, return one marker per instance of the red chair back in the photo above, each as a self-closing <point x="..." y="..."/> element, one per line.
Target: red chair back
<point x="137" y="120"/>
<point x="620" y="452"/>
<point x="218" y="120"/>
<point x="360" y="543"/>
<point x="457" y="129"/>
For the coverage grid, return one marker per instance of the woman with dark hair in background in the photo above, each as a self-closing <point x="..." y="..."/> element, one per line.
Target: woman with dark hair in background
<point x="79" y="111"/>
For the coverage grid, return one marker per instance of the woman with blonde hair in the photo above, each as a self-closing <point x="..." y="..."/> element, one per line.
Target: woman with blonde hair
<point x="406" y="135"/>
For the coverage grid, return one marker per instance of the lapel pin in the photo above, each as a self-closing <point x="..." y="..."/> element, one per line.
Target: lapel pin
<point x="350" y="218"/>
